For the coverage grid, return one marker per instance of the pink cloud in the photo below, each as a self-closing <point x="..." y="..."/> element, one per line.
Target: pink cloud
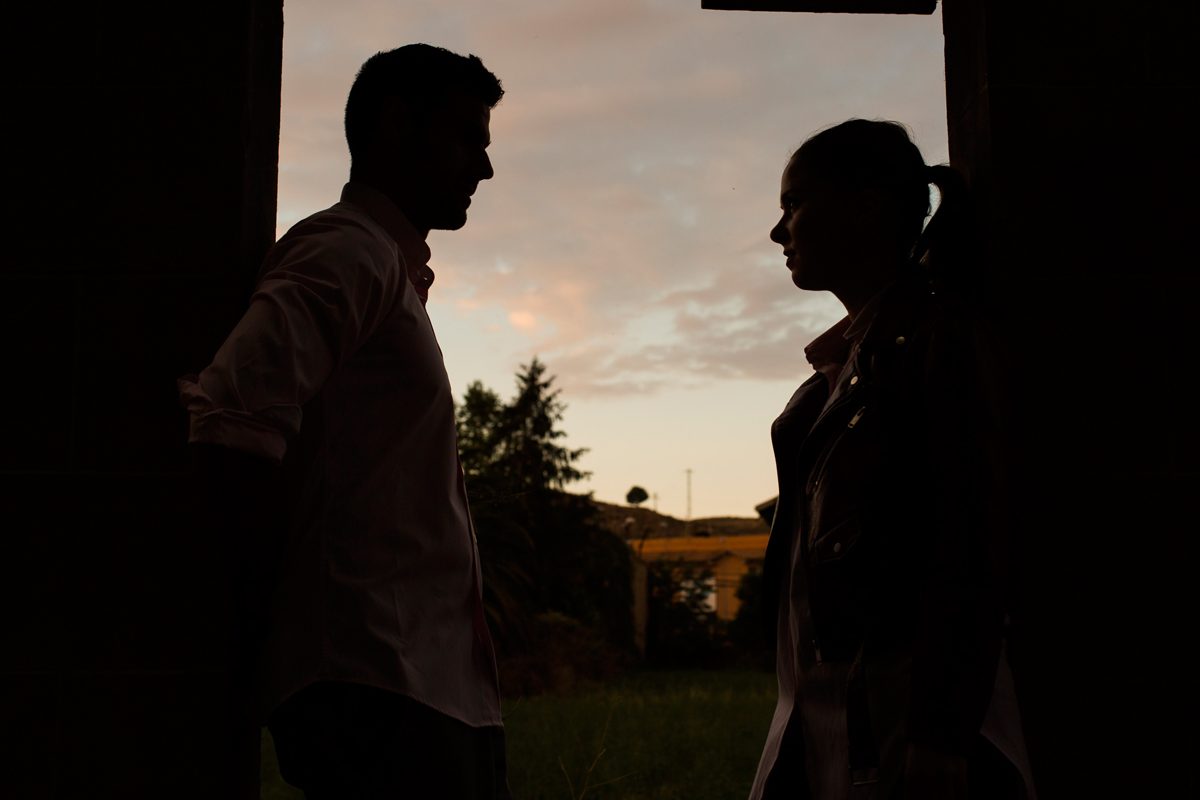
<point x="637" y="158"/>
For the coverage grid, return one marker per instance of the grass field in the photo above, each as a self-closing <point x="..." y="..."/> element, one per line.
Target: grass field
<point x="646" y="736"/>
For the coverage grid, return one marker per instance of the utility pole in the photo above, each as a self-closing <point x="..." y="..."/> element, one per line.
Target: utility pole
<point x="689" y="493"/>
<point x="654" y="498"/>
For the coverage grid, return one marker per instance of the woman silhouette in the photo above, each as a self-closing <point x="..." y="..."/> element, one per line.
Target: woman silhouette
<point x="884" y="568"/>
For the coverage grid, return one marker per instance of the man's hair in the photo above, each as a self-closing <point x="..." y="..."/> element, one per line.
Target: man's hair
<point x="420" y="74"/>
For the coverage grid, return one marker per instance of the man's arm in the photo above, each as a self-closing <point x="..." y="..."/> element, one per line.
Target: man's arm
<point x="324" y="290"/>
<point x="240" y="502"/>
<point x="322" y="294"/>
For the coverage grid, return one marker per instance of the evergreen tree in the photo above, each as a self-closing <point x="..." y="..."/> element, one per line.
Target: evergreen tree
<point x="505" y="547"/>
<point x="541" y="546"/>
<point x="529" y="453"/>
<point x="478" y="418"/>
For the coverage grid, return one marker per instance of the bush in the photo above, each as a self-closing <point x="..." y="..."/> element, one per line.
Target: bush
<point x="750" y="633"/>
<point x="681" y="630"/>
<point x="560" y="654"/>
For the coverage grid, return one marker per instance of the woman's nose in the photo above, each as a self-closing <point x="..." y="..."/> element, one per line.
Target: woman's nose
<point x="779" y="233"/>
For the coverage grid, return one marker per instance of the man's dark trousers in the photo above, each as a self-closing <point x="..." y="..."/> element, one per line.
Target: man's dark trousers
<point x="345" y="741"/>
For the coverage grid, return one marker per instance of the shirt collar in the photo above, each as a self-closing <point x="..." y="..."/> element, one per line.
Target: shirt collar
<point x="413" y="248"/>
<point x="832" y="348"/>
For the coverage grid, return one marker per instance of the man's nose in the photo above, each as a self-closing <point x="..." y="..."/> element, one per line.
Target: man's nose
<point x="486" y="170"/>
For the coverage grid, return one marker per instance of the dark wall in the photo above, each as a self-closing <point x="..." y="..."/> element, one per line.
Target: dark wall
<point x="1073" y="121"/>
<point x="141" y="166"/>
<point x="142" y="159"/>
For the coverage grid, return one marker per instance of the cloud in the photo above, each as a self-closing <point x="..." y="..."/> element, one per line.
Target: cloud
<point x="522" y="320"/>
<point x="637" y="154"/>
<point x="743" y="324"/>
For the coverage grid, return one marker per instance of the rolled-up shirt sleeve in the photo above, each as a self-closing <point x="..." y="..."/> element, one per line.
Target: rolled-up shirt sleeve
<point x="323" y="290"/>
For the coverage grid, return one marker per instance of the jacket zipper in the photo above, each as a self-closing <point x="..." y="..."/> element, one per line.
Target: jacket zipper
<point x="827" y="453"/>
<point x="858" y="415"/>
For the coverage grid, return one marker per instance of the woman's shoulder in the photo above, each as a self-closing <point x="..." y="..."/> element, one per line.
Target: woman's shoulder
<point x="920" y="330"/>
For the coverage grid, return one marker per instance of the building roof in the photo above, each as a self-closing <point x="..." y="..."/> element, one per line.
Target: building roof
<point x="701" y="548"/>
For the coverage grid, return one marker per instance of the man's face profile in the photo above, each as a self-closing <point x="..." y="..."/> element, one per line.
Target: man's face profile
<point x="450" y="158"/>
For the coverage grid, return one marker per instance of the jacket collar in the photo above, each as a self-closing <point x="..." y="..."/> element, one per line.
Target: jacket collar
<point x="896" y="311"/>
<point x="885" y="323"/>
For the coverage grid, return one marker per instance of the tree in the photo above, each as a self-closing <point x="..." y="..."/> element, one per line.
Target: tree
<point x="505" y="546"/>
<point x="526" y="435"/>
<point x="681" y="629"/>
<point x="751" y="632"/>
<point x="542" y="548"/>
<point x="636" y="496"/>
<point x="478" y="420"/>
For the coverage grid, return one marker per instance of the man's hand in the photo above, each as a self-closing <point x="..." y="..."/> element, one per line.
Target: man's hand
<point x="931" y="774"/>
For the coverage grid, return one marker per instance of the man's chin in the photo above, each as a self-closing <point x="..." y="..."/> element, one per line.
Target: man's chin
<point x="450" y="221"/>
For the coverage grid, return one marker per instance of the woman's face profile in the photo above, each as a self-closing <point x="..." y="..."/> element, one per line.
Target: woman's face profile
<point x="829" y="234"/>
<point x="810" y="226"/>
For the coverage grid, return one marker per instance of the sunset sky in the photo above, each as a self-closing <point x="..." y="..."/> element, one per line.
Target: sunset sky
<point x="623" y="241"/>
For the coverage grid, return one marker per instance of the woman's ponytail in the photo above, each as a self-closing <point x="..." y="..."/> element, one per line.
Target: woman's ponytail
<point x="880" y="156"/>
<point x="946" y="248"/>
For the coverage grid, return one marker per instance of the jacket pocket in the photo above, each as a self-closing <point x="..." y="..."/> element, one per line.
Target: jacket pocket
<point x="837" y="543"/>
<point x="836" y="596"/>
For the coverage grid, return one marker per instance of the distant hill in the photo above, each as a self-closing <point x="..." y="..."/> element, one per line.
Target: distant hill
<point x="653" y="525"/>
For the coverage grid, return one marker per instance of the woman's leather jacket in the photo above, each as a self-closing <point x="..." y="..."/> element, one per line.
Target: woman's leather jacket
<point x="884" y="547"/>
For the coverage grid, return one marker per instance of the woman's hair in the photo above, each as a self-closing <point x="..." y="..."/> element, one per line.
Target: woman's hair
<point x="862" y="154"/>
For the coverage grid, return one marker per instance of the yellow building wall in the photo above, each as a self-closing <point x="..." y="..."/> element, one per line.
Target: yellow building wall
<point x="728" y="572"/>
<point x="729" y="557"/>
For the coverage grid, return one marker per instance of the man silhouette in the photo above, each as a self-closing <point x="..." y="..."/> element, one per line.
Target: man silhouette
<point x="325" y="425"/>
